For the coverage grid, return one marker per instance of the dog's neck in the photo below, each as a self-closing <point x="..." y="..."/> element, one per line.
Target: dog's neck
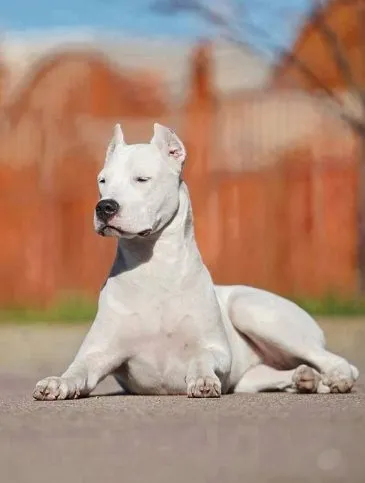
<point x="171" y="253"/>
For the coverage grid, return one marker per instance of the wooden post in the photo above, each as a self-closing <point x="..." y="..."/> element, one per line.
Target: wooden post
<point x="198" y="134"/>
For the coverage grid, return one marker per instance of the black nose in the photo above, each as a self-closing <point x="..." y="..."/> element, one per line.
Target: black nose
<point x="106" y="209"/>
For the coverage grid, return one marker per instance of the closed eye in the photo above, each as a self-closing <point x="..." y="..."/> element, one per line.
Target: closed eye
<point x="142" y="179"/>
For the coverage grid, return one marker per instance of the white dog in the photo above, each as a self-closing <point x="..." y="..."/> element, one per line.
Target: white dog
<point x="162" y="327"/>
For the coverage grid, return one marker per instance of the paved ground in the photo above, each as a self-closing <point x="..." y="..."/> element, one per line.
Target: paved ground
<point x="277" y="438"/>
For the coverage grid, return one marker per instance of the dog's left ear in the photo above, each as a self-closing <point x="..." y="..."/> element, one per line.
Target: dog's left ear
<point x="168" y="142"/>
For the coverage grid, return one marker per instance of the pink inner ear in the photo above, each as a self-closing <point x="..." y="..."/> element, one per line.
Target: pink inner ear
<point x="174" y="152"/>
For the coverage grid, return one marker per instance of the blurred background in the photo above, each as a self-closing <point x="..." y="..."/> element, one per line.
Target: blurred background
<point x="269" y="98"/>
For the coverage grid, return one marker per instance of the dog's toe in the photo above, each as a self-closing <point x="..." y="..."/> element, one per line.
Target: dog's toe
<point x="306" y="379"/>
<point x="204" y="387"/>
<point x="341" y="378"/>
<point x="52" y="388"/>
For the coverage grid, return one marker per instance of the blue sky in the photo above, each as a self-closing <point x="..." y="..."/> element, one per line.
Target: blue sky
<point x="135" y="17"/>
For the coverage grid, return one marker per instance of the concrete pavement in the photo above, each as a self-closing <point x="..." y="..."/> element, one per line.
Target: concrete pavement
<point x="109" y="438"/>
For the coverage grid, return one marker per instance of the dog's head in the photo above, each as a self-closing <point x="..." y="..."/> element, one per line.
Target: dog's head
<point x="139" y="184"/>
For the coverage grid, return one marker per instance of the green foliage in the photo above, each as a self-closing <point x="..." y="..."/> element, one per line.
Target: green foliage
<point x="67" y="310"/>
<point x="80" y="309"/>
<point x="333" y="306"/>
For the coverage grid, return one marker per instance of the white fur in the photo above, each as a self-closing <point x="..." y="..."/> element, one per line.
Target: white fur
<point x="162" y="327"/>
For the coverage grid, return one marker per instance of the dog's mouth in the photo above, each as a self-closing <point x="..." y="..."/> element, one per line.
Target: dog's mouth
<point x="143" y="233"/>
<point x="104" y="228"/>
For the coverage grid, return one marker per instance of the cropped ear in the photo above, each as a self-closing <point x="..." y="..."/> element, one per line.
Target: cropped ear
<point x="168" y="142"/>
<point x="118" y="138"/>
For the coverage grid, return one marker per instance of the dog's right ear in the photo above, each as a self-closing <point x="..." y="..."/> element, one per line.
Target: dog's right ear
<point x="118" y="138"/>
<point x="168" y="142"/>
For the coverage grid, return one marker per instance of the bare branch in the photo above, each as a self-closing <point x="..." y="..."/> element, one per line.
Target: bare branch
<point x="205" y="11"/>
<point x="289" y="55"/>
<point x="212" y="15"/>
<point x="360" y="14"/>
<point x="337" y="49"/>
<point x="337" y="104"/>
<point x="355" y="124"/>
<point x="233" y="33"/>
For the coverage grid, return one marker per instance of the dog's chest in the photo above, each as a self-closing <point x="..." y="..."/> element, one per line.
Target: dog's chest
<point x="161" y="331"/>
<point x="162" y="343"/>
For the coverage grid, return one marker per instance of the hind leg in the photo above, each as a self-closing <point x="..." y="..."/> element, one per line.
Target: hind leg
<point x="261" y="378"/>
<point x="274" y="323"/>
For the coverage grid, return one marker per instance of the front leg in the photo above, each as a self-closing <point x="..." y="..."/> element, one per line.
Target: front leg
<point x="202" y="376"/>
<point x="79" y="380"/>
<point x="100" y="354"/>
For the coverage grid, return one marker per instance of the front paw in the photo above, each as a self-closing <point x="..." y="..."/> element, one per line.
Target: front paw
<point x="204" y="387"/>
<point x="52" y="388"/>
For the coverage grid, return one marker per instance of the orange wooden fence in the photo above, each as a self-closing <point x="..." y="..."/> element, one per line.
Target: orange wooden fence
<point x="287" y="224"/>
<point x="274" y="188"/>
